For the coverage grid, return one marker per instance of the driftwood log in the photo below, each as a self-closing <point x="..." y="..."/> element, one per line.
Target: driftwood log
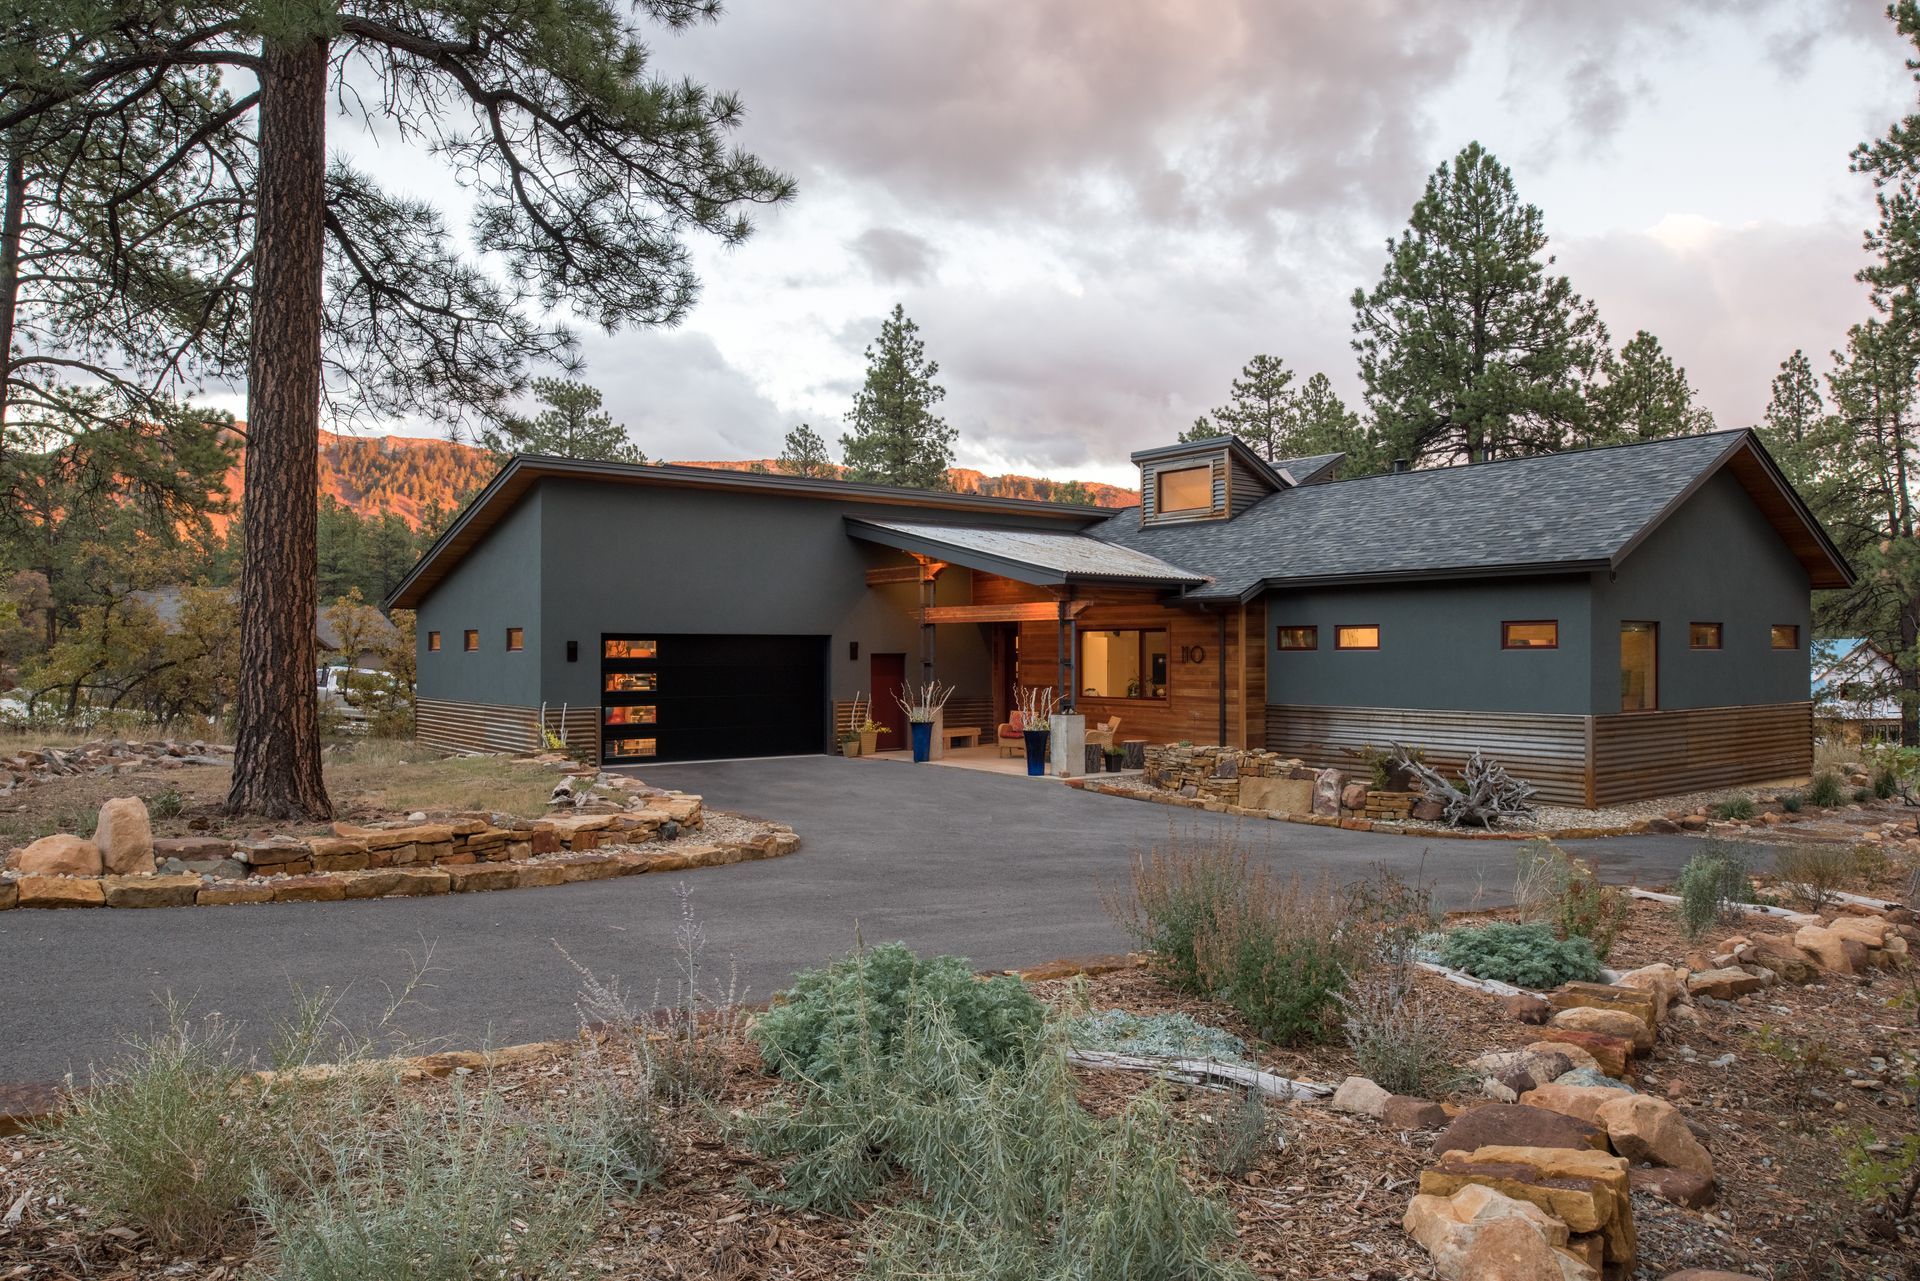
<point x="1202" y="1072"/>
<point x="1485" y="794"/>
<point x="1750" y="909"/>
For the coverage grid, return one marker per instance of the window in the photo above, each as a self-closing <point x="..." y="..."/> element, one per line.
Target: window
<point x="638" y="714"/>
<point x="1539" y="634"/>
<point x="433" y="642"/>
<point x="1786" y="636"/>
<point x="1186" y="489"/>
<point x="1363" y="636"/>
<point x="1703" y="636"/>
<point x="1123" y="664"/>
<point x="1639" y="666"/>
<point x="630" y="747"/>
<point x="516" y="638"/>
<point x="632" y="682"/>
<point x="630" y="649"/>
<point x="470" y="641"/>
<point x="1299" y="638"/>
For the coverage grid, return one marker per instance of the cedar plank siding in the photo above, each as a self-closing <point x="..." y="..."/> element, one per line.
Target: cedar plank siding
<point x="1191" y="709"/>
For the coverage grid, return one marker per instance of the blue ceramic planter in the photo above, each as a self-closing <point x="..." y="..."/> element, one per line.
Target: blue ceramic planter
<point x="922" y="732"/>
<point x="1036" y="751"/>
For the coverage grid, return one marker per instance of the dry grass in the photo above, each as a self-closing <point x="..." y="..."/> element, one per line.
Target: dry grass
<point x="399" y="776"/>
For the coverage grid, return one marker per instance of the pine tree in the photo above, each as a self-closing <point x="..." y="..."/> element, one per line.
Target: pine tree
<point x="1469" y="349"/>
<point x="1261" y="410"/>
<point x="896" y="438"/>
<point x="1645" y="396"/>
<point x="804" y="453"/>
<point x="587" y="172"/>
<point x="1794" y="411"/>
<point x="572" y="425"/>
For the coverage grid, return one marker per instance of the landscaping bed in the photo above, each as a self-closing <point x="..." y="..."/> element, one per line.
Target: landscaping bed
<point x="1783" y="1085"/>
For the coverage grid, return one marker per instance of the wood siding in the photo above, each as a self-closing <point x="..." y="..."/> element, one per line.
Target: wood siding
<point x="1245" y="486"/>
<point x="1643" y="754"/>
<point x="488" y="727"/>
<point x="1191" y="709"/>
<point x="1547" y="750"/>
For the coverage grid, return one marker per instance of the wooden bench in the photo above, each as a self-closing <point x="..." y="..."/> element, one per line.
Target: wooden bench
<point x="958" y="736"/>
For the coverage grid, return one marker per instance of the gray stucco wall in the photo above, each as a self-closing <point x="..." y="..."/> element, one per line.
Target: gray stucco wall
<point x="1716" y="560"/>
<point x="496" y="587"/>
<point x="1439" y="647"/>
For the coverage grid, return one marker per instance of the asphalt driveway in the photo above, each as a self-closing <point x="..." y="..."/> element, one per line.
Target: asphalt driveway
<point x="1007" y="871"/>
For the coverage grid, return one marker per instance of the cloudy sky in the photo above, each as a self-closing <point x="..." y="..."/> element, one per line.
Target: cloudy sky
<point x="1097" y="210"/>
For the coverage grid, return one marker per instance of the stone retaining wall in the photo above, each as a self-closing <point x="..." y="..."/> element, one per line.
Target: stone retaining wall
<point x="1266" y="783"/>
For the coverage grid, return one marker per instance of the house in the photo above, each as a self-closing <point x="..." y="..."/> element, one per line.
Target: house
<point x="1611" y="623"/>
<point x="1855" y="684"/>
<point x="167" y="603"/>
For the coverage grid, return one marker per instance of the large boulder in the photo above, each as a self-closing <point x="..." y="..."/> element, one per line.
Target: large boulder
<point x="1827" y="949"/>
<point x="1584" y="1189"/>
<point x="1609" y="1054"/>
<point x="59" y="855"/>
<point x="1638" y="1002"/>
<point x="1777" y="953"/>
<point x="1478" y="1234"/>
<point x="1583" y="1102"/>
<point x="1666" y="983"/>
<point x="1515" y="1126"/>
<point x="1870" y="930"/>
<point x="1724" y="984"/>
<point x="125" y="837"/>
<point x="1643" y="1128"/>
<point x="1576" y="1056"/>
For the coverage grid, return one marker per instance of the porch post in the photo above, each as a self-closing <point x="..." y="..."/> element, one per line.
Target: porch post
<point x="927" y="575"/>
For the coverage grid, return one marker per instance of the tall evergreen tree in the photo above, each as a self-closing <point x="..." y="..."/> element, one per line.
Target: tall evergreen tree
<point x="587" y="169"/>
<point x="1469" y="348"/>
<point x="897" y="439"/>
<point x="804" y="453"/>
<point x="573" y="425"/>
<point x="1643" y="396"/>
<point x="1260" y="412"/>
<point x="1794" y="410"/>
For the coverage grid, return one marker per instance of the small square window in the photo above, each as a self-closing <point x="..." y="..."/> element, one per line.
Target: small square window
<point x="1539" y="634"/>
<point x="1363" y="636"/>
<point x="1299" y="638"/>
<point x="1786" y="636"/>
<point x="516" y="638"/>
<point x="1703" y="635"/>
<point x="470" y="641"/>
<point x="433" y="642"/>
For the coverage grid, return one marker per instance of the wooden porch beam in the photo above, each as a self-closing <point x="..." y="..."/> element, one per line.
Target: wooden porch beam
<point x="1039" y="611"/>
<point x="924" y="572"/>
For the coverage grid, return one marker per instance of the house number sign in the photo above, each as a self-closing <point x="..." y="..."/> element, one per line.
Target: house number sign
<point x="1193" y="653"/>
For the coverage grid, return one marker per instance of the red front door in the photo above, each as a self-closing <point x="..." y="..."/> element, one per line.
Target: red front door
<point x="889" y="673"/>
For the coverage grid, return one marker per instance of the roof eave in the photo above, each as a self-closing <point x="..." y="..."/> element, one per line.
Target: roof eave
<point x="1517" y="569"/>
<point x="1006" y="567"/>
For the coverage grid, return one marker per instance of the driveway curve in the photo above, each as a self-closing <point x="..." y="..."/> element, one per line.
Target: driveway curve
<point x="1006" y="871"/>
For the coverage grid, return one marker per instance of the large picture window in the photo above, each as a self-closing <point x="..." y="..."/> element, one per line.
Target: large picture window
<point x="1123" y="664"/>
<point x="1186" y="489"/>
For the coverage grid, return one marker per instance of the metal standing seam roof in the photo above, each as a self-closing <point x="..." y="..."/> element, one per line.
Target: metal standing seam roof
<point x="1043" y="555"/>
<point x="1566" y="511"/>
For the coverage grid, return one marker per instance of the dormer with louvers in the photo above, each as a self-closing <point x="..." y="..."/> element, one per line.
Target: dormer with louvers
<point x="1198" y="480"/>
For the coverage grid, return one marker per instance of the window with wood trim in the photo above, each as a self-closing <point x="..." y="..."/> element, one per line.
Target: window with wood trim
<point x="1786" y="635"/>
<point x="1357" y="636"/>
<point x="1184" y="489"/>
<point x="433" y="642"/>
<point x="516" y="638"/>
<point x="1297" y="638"/>
<point x="1537" y="633"/>
<point x="1125" y="663"/>
<point x="1639" y="666"/>
<point x="470" y="640"/>
<point x="1704" y="635"/>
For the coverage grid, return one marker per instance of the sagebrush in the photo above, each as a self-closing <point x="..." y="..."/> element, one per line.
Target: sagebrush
<point x="1813" y="873"/>
<point x="1712" y="884"/>
<point x="1527" y="956"/>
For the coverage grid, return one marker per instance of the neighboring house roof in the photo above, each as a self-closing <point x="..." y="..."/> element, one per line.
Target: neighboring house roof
<point x="1571" y="511"/>
<point x="1851" y="677"/>
<point x="1314" y="469"/>
<point x="519" y="474"/>
<point x="1029" y="555"/>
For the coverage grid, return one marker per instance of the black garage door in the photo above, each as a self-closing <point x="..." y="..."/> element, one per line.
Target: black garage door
<point x="690" y="698"/>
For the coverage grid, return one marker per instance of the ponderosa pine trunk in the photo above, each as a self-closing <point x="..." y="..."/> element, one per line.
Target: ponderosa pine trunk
<point x="276" y="759"/>
<point x="13" y="201"/>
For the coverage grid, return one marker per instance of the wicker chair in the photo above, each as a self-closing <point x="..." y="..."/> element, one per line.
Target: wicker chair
<point x="1102" y="734"/>
<point x="1011" y="735"/>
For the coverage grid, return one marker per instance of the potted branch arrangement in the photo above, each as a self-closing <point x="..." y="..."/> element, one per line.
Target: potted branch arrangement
<point x="869" y="729"/>
<point x="923" y="705"/>
<point x="853" y="739"/>
<point x="1037" y="706"/>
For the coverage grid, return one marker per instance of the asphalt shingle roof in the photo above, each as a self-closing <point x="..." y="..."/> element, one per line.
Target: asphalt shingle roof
<point x="1303" y="469"/>
<point x="1555" y="509"/>
<point x="1070" y="556"/>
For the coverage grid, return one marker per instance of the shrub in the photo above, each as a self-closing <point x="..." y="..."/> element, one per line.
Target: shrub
<point x="1710" y="884"/>
<point x="1792" y="802"/>
<point x="167" y="804"/>
<point x="167" y="1141"/>
<point x="439" y="1190"/>
<point x="1177" y="893"/>
<point x="1398" y="1040"/>
<point x="1885" y="782"/>
<point x="860" y="1004"/>
<point x="1736" y="807"/>
<point x="1281" y="953"/>
<point x="1825" y="791"/>
<point x="1233" y="1134"/>
<point x="1811" y="873"/>
<point x="1165" y="1035"/>
<point x="1552" y="885"/>
<point x="1525" y="955"/>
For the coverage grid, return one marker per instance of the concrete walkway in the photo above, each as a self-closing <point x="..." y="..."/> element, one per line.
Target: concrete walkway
<point x="1002" y="870"/>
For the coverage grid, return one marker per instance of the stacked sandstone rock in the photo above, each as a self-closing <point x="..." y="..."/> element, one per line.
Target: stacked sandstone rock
<point x="1215" y="771"/>
<point x="103" y="758"/>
